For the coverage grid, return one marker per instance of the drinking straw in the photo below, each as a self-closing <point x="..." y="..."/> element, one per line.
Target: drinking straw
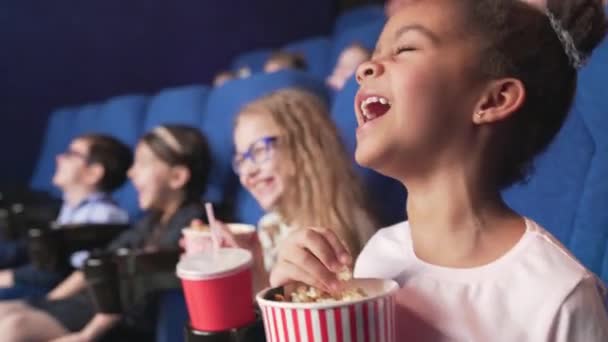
<point x="213" y="226"/>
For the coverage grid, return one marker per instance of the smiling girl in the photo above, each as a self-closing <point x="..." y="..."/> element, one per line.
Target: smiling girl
<point x="457" y="100"/>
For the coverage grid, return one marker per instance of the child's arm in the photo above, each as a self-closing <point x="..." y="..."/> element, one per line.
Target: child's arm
<point x="6" y="278"/>
<point x="98" y="326"/>
<point x="70" y="286"/>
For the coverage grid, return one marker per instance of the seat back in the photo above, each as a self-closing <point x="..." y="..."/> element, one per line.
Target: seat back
<point x="593" y="78"/>
<point x="316" y="52"/>
<point x="122" y="117"/>
<point x="254" y="60"/>
<point x="183" y="105"/>
<point x="366" y="35"/>
<point x="172" y="316"/>
<point x="247" y="208"/>
<point x="568" y="192"/>
<point x="358" y="16"/>
<point x="59" y="133"/>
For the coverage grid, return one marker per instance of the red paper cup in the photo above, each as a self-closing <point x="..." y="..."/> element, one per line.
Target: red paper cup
<point x="371" y="319"/>
<point x="218" y="287"/>
<point x="197" y="241"/>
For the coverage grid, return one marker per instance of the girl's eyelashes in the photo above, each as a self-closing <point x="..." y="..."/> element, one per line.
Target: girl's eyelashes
<point x="403" y="49"/>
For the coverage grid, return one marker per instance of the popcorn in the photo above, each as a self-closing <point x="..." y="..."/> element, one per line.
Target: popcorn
<point x="199" y="225"/>
<point x="345" y="274"/>
<point x="310" y="294"/>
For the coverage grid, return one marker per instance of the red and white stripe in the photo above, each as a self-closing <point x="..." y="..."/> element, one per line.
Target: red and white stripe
<point x="372" y="321"/>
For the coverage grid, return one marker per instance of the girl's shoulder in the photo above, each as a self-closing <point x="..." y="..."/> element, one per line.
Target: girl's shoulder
<point x="385" y="254"/>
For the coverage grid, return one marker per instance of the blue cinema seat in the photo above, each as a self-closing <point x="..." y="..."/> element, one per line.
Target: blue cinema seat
<point x="568" y="192"/>
<point x="386" y="195"/>
<point x="254" y="60"/>
<point x="172" y="315"/>
<point x="366" y="35"/>
<point x="316" y="52"/>
<point x="247" y="208"/>
<point x="59" y="133"/>
<point x="593" y="78"/>
<point x="358" y="16"/>
<point x="183" y="105"/>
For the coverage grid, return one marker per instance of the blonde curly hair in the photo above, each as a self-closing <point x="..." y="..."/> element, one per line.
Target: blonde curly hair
<point x="323" y="189"/>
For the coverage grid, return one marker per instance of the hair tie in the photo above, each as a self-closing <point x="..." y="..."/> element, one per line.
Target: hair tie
<point x="576" y="58"/>
<point x="168" y="138"/>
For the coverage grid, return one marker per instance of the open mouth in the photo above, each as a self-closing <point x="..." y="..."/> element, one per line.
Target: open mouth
<point x="262" y="185"/>
<point x="374" y="107"/>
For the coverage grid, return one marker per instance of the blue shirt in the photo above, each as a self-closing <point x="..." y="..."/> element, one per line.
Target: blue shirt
<point x="95" y="208"/>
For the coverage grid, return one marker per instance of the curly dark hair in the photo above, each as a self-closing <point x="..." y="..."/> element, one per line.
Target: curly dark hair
<point x="517" y="40"/>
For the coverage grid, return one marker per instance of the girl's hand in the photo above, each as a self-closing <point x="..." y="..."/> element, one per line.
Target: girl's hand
<point x="311" y="256"/>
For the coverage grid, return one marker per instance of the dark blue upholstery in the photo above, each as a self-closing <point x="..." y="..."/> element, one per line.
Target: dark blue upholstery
<point x="183" y="105"/>
<point x="172" y="315"/>
<point x="254" y="60"/>
<point x="366" y="35"/>
<point x="247" y="208"/>
<point x="85" y="118"/>
<point x="316" y="52"/>
<point x="222" y="106"/>
<point x="122" y="117"/>
<point x="59" y="133"/>
<point x="568" y="192"/>
<point x="358" y="16"/>
<point x="594" y="78"/>
<point x="387" y="195"/>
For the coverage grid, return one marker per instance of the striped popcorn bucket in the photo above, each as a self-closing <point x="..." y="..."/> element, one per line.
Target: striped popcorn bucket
<point x="371" y="319"/>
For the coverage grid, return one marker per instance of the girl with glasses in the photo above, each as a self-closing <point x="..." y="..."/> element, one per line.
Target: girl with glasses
<point x="290" y="158"/>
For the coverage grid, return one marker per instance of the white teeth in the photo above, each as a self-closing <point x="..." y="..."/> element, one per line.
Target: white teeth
<point x="372" y="99"/>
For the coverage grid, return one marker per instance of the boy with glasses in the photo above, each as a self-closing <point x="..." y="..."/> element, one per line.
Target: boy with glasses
<point x="92" y="167"/>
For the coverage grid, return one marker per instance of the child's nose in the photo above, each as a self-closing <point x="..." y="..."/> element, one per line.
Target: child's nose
<point x="369" y="69"/>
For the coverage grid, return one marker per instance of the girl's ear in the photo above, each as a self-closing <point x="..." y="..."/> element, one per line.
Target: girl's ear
<point x="501" y="99"/>
<point x="179" y="177"/>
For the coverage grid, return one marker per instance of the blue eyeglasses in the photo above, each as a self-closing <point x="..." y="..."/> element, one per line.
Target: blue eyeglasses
<point x="258" y="152"/>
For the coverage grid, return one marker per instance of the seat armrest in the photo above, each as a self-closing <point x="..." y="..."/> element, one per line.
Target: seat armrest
<point x="50" y="248"/>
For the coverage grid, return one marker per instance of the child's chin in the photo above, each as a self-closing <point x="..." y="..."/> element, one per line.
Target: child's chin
<point x="144" y="205"/>
<point x="375" y="159"/>
<point x="268" y="203"/>
<point x="366" y="158"/>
